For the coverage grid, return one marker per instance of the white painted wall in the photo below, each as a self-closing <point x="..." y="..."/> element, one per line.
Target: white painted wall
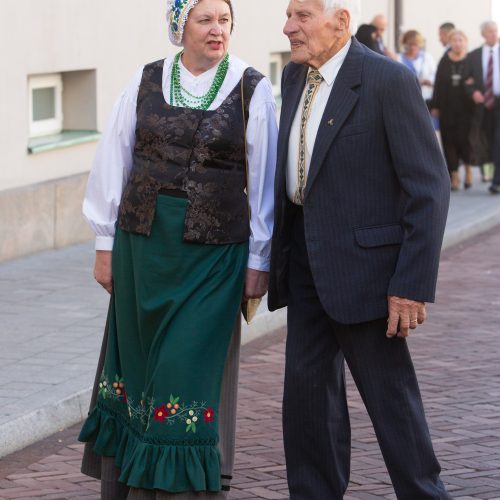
<point x="427" y="15"/>
<point x="116" y="36"/>
<point x="45" y="36"/>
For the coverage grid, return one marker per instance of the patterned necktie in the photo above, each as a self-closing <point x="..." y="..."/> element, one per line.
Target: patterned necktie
<point x="489" y="97"/>
<point x="314" y="80"/>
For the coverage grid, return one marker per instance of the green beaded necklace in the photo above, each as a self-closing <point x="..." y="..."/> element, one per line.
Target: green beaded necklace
<point x="182" y="97"/>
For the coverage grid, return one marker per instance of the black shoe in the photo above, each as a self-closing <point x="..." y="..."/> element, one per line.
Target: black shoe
<point x="495" y="189"/>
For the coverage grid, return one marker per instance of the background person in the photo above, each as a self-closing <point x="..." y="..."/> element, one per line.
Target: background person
<point x="419" y="62"/>
<point x="453" y="107"/>
<point x="170" y="173"/>
<point x="380" y="23"/>
<point x="444" y="32"/>
<point x="367" y="35"/>
<point x="361" y="198"/>
<point x="483" y="85"/>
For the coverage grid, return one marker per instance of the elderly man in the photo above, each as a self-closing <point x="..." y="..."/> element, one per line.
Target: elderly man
<point x="362" y="195"/>
<point x="380" y="24"/>
<point x="483" y="85"/>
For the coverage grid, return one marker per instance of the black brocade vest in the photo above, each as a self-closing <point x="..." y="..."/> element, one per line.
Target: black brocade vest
<point x="201" y="153"/>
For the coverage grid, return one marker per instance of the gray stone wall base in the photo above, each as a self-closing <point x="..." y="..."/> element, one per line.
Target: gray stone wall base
<point x="42" y="217"/>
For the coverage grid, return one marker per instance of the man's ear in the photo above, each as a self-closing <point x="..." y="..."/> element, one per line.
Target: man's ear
<point x="344" y="18"/>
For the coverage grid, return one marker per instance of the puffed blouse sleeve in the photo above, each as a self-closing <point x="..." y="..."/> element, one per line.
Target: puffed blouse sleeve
<point x="262" y="137"/>
<point x="111" y="166"/>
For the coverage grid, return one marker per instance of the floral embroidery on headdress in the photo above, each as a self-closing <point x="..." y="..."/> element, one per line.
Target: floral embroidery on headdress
<point x="177" y="14"/>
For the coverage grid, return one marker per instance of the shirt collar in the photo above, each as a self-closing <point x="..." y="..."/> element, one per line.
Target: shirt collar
<point x="330" y="69"/>
<point x="487" y="48"/>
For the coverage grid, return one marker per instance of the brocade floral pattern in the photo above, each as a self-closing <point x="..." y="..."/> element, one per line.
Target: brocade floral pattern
<point x="199" y="152"/>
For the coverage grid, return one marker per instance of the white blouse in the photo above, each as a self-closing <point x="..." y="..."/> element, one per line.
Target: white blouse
<point x="113" y="159"/>
<point x="425" y="69"/>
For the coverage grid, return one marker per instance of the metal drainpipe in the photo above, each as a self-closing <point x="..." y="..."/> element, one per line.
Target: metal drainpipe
<point x="398" y="22"/>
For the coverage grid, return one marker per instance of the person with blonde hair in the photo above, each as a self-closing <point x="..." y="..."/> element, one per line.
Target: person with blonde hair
<point x="452" y="106"/>
<point x="418" y="61"/>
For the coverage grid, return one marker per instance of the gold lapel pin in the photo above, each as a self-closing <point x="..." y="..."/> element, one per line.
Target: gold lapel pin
<point x="330" y="122"/>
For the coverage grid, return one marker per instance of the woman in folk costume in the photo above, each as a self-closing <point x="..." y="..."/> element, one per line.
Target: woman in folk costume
<point x="170" y="173"/>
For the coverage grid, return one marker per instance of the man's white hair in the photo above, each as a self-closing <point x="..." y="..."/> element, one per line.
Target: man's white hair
<point x="353" y="6"/>
<point x="485" y="25"/>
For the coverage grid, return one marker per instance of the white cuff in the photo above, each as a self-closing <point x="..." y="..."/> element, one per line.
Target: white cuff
<point x="258" y="262"/>
<point x="104" y="242"/>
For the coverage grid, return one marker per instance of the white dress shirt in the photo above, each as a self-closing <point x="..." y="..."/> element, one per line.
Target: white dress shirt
<point x="113" y="160"/>
<point x="496" y="66"/>
<point x="329" y="72"/>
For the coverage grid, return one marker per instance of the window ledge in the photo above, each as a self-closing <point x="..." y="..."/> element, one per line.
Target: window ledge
<point x="65" y="139"/>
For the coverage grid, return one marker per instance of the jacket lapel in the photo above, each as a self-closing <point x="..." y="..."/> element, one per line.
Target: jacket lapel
<point x="338" y="108"/>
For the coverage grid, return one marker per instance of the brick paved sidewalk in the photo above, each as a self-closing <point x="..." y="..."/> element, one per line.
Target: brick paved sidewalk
<point x="457" y="359"/>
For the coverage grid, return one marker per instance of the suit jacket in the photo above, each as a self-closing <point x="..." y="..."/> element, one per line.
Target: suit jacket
<point x="377" y="192"/>
<point x="475" y="71"/>
<point x="474" y="77"/>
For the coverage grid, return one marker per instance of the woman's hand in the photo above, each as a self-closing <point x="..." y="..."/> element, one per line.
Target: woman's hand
<point x="102" y="269"/>
<point x="435" y="112"/>
<point x="256" y="284"/>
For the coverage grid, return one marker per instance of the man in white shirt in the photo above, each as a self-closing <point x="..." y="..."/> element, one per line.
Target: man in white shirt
<point x="361" y="198"/>
<point x="483" y="84"/>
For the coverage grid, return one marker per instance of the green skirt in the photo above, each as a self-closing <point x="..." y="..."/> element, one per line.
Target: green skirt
<point x="170" y="321"/>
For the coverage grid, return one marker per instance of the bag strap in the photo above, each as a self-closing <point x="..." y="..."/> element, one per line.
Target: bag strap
<point x="245" y="141"/>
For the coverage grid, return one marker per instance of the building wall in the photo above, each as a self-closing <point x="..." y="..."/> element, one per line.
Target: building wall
<point x="115" y="37"/>
<point x="109" y="40"/>
<point x="427" y="15"/>
<point x="50" y="36"/>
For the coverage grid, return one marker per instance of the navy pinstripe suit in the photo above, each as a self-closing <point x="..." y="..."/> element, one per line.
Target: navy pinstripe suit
<point x="372" y="224"/>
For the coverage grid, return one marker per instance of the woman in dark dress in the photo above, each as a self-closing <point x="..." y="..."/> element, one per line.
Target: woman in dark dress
<point x="453" y="108"/>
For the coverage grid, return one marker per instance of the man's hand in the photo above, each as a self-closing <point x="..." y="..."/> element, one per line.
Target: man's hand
<point x="102" y="269"/>
<point x="405" y="313"/>
<point x="478" y="97"/>
<point x="256" y="284"/>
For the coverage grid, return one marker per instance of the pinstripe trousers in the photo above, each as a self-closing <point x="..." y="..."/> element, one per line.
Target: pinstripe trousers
<point x="316" y="426"/>
<point x="104" y="468"/>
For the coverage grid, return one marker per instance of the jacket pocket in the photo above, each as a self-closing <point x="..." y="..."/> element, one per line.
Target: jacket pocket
<point x="377" y="236"/>
<point x="353" y="129"/>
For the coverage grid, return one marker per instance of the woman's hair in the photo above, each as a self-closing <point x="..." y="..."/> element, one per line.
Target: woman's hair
<point x="353" y="6"/>
<point x="453" y="33"/>
<point x="229" y="2"/>
<point x="413" y="37"/>
<point x="364" y="35"/>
